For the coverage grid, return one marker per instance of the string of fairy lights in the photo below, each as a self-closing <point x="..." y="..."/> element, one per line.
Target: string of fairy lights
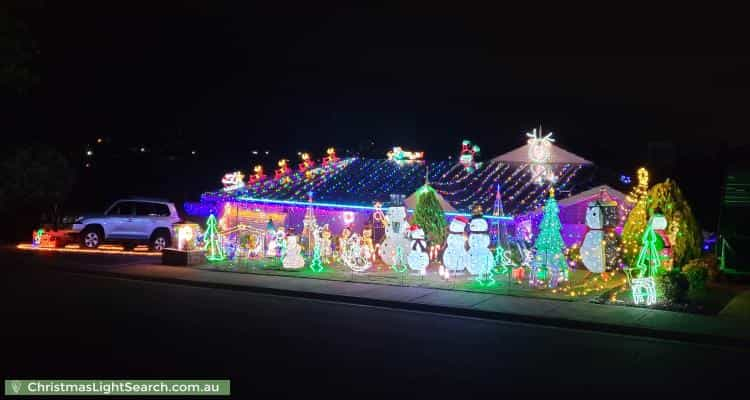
<point x="362" y="181"/>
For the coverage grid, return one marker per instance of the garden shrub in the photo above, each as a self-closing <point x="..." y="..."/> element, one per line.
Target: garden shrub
<point x="673" y="286"/>
<point x="697" y="278"/>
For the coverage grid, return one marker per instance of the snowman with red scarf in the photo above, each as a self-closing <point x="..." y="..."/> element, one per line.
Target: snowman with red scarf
<point x="418" y="258"/>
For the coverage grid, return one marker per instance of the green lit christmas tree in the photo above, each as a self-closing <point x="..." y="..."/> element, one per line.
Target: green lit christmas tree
<point x="549" y="245"/>
<point x="649" y="259"/>
<point x="212" y="241"/>
<point x="316" y="265"/>
<point x="429" y="215"/>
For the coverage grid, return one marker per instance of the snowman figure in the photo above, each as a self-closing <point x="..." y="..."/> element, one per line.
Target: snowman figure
<point x="395" y="235"/>
<point x="293" y="257"/>
<point x="455" y="256"/>
<point x="479" y="256"/>
<point x="601" y="219"/>
<point x="418" y="258"/>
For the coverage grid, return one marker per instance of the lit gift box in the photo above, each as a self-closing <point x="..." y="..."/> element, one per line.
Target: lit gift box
<point x="185" y="235"/>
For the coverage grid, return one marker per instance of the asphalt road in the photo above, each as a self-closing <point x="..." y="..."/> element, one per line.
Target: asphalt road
<point x="59" y="324"/>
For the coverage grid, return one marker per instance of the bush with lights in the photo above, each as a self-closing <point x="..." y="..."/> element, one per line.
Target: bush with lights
<point x="682" y="229"/>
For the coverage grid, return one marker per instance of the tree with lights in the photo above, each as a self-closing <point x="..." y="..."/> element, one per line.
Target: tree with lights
<point x="212" y="240"/>
<point x="682" y="229"/>
<point x="429" y="215"/>
<point x="549" y="246"/>
<point x="639" y="191"/>
<point x="316" y="264"/>
<point x="649" y="259"/>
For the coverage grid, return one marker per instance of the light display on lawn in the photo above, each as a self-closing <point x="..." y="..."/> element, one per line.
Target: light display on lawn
<point x="644" y="290"/>
<point x="648" y="264"/>
<point x="186" y="234"/>
<point x="599" y="250"/>
<point x="503" y="262"/>
<point x="418" y="258"/>
<point x="429" y="215"/>
<point x="649" y="258"/>
<point x="455" y="256"/>
<point x="395" y="235"/>
<point x="348" y="227"/>
<point x="293" y="255"/>
<point x="480" y="257"/>
<point x="356" y="256"/>
<point x="326" y="243"/>
<point x="549" y="260"/>
<point x="316" y="264"/>
<point x="212" y="241"/>
<point x="399" y="261"/>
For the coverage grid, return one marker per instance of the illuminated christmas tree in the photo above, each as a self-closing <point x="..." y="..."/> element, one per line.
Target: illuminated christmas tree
<point x="682" y="228"/>
<point x="649" y="259"/>
<point x="429" y="215"/>
<point x="212" y="240"/>
<point x="549" y="245"/>
<point x="316" y="265"/>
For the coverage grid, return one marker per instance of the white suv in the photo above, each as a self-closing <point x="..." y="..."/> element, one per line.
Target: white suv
<point x="129" y="222"/>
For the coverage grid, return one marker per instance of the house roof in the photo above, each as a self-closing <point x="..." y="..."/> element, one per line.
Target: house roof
<point x="411" y="201"/>
<point x="557" y="156"/>
<point x="593" y="194"/>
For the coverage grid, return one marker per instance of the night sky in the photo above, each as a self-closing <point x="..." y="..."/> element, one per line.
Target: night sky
<point x="223" y="81"/>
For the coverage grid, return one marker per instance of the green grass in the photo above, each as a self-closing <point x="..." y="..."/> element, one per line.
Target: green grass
<point x="582" y="284"/>
<point x="709" y="301"/>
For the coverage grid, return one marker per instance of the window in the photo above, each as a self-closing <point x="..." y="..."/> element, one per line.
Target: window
<point x="123" y="208"/>
<point x="152" y="209"/>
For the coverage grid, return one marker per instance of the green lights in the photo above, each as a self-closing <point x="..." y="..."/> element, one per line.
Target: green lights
<point x="212" y="239"/>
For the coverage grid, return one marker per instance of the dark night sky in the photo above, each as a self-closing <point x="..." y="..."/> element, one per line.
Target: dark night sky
<point x="226" y="80"/>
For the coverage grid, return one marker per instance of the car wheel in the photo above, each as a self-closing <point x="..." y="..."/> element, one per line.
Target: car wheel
<point x="159" y="241"/>
<point x="91" y="238"/>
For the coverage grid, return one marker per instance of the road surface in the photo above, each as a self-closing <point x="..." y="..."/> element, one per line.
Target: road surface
<point x="59" y="324"/>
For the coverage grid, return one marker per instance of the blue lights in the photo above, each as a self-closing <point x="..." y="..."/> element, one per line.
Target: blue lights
<point x="249" y="199"/>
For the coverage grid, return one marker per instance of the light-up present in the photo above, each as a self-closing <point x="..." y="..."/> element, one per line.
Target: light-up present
<point x="185" y="235"/>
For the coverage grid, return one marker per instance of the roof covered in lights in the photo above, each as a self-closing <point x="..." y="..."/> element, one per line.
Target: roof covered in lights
<point x="362" y="181"/>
